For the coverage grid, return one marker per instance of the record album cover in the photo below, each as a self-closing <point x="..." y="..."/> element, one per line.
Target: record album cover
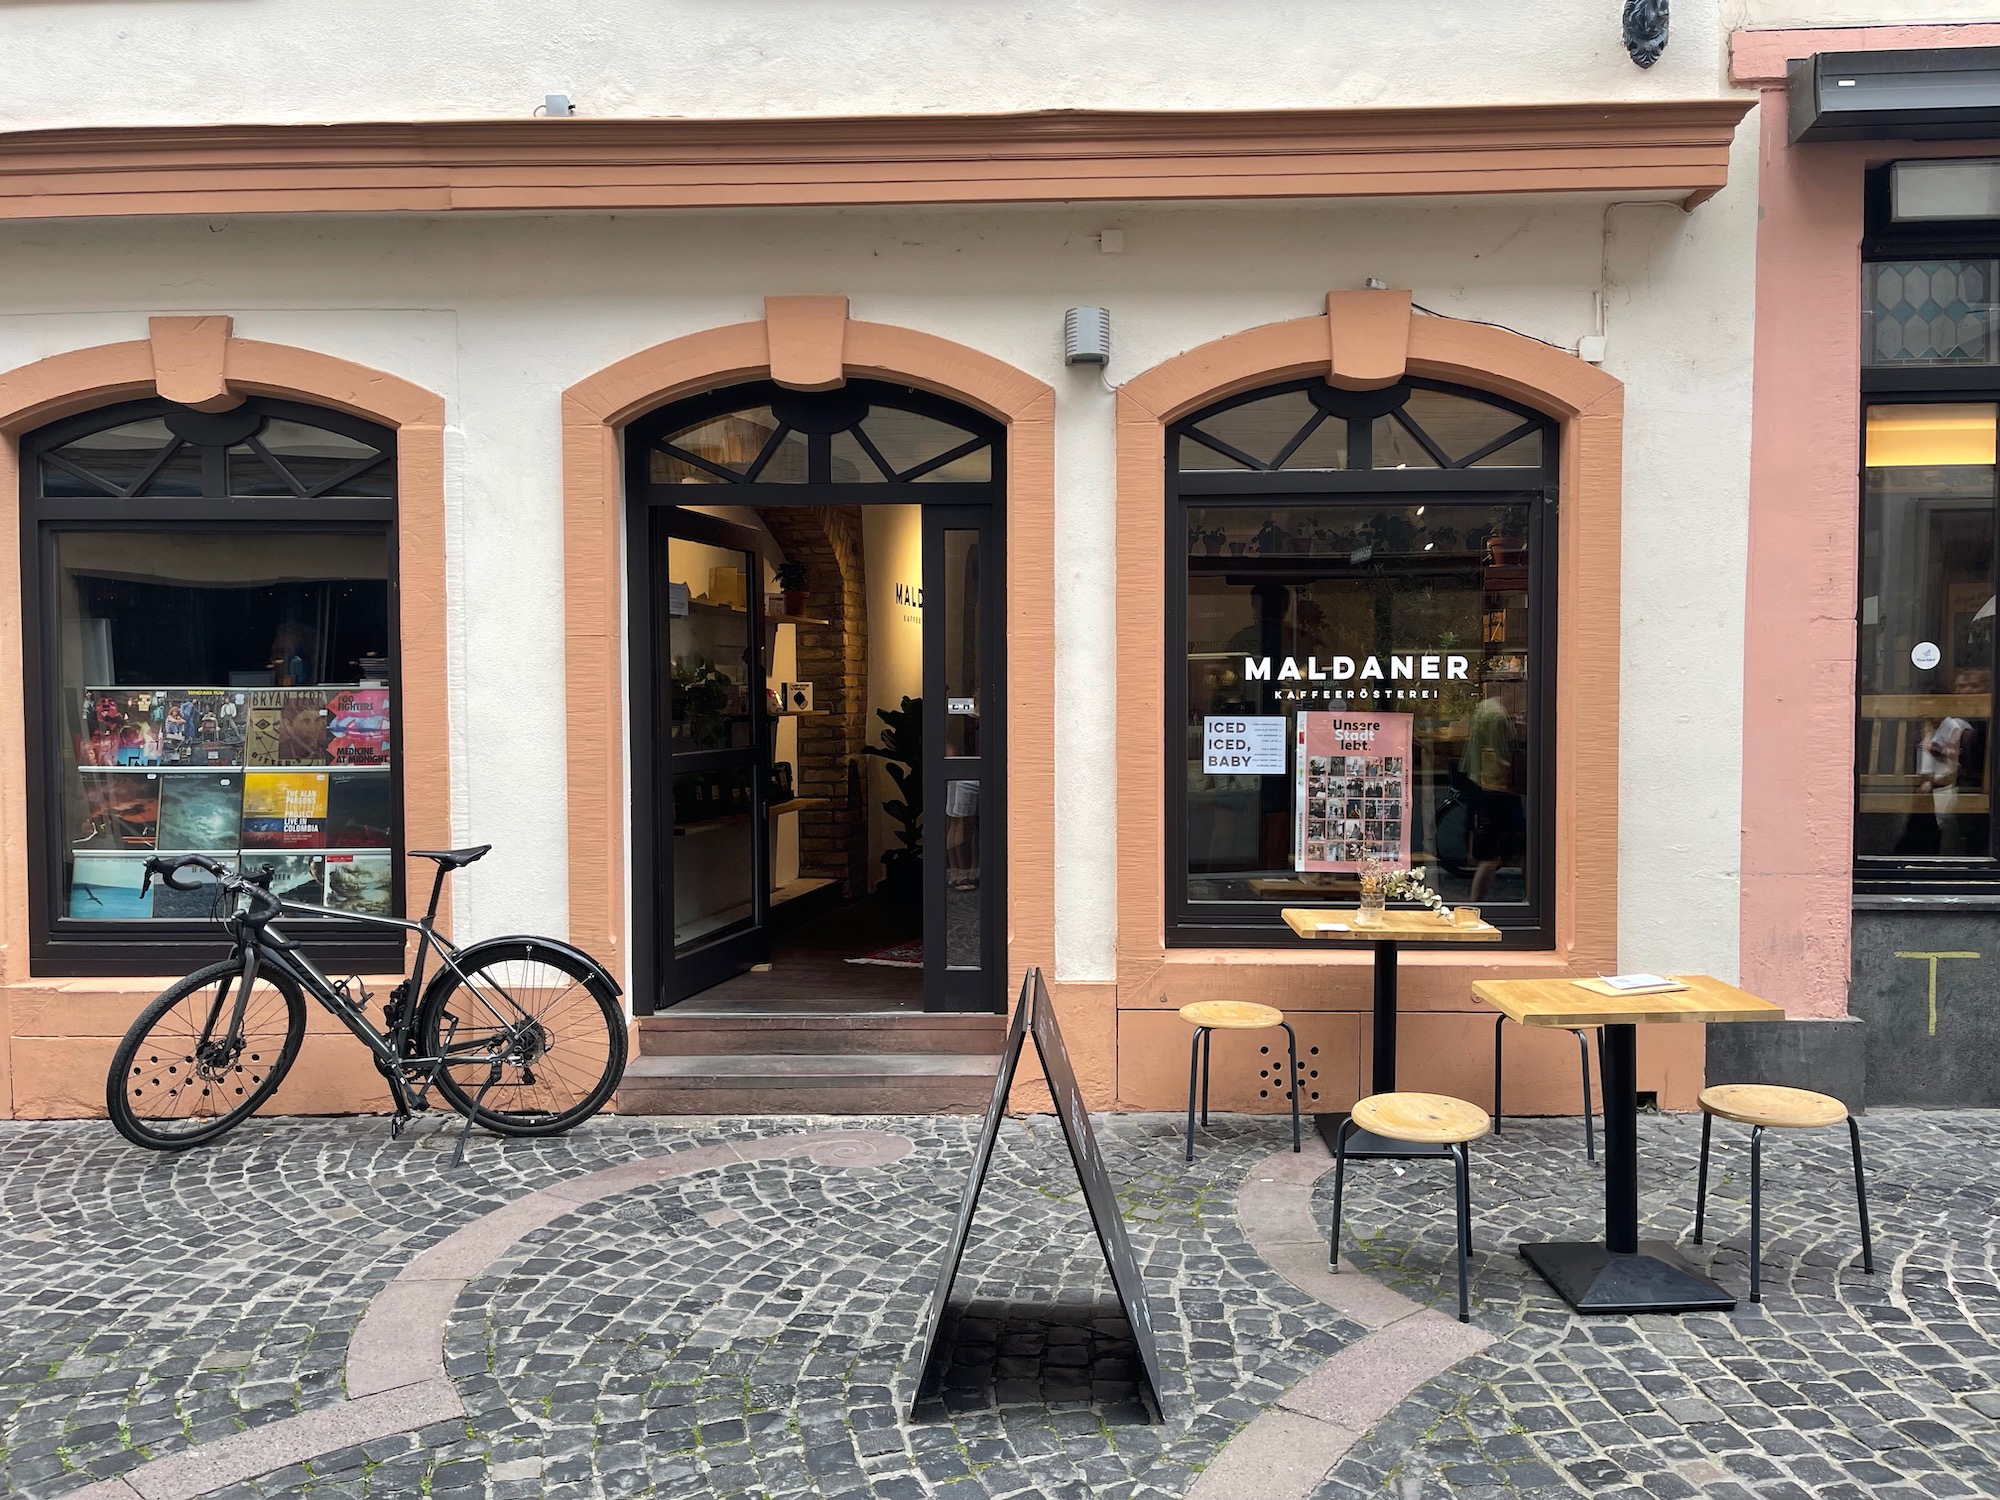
<point x="121" y="810"/>
<point x="302" y="728"/>
<point x="200" y="811"/>
<point x="359" y="808"/>
<point x="284" y="809"/>
<point x="106" y="888"/>
<point x="358" y="727"/>
<point x="359" y="883"/>
<point x="120" y="727"/>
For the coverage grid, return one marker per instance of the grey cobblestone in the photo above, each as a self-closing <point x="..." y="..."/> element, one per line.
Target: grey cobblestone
<point x="743" y="1332"/>
<point x="1839" y="1385"/>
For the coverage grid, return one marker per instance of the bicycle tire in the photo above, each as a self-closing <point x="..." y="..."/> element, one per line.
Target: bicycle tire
<point x="583" y="1067"/>
<point x="140" y="1072"/>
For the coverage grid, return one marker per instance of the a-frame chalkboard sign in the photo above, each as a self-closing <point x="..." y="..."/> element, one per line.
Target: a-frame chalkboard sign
<point x="1036" y="1016"/>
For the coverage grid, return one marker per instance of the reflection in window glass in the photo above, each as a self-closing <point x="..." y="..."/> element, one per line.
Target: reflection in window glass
<point x="1925" y="665"/>
<point x="1415" y="616"/>
<point x="224" y="693"/>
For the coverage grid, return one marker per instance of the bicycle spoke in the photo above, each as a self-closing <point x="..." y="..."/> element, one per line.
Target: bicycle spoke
<point x="176" y="1083"/>
<point x="553" y="1047"/>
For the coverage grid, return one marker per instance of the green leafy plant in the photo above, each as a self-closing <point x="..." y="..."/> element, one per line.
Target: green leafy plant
<point x="902" y="755"/>
<point x="701" y="699"/>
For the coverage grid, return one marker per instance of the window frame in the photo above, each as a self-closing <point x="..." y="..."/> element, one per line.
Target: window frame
<point x="1917" y="385"/>
<point x="60" y="946"/>
<point x="1530" y="926"/>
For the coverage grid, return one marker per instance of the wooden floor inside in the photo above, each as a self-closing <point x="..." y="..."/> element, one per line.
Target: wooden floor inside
<point x="810" y="973"/>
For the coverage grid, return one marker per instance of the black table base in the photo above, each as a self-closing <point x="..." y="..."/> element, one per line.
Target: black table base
<point x="1655" y="1279"/>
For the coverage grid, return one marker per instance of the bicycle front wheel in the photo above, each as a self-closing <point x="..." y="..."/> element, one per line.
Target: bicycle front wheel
<point x="183" y="1075"/>
<point x="534" y="1029"/>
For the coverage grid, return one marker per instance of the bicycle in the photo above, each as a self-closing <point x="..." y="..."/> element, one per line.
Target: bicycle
<point x="531" y="1016"/>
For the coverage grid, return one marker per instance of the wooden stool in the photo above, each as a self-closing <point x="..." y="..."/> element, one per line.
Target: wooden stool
<point x="1210" y="1016"/>
<point x="1421" y="1120"/>
<point x="1765" y="1106"/>
<point x="1583" y="1051"/>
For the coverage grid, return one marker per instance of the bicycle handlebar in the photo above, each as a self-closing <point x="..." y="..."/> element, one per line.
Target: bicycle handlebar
<point x="264" y="905"/>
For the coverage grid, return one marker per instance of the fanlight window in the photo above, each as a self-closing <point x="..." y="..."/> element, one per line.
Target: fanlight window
<point x="1313" y="426"/>
<point x="849" y="436"/>
<point x="249" y="453"/>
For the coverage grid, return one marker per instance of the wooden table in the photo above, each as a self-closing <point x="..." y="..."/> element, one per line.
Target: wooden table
<point x="1623" y="1274"/>
<point x="1396" y="927"/>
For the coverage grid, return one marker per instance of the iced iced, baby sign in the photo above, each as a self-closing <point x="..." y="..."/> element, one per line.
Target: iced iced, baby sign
<point x="1235" y="745"/>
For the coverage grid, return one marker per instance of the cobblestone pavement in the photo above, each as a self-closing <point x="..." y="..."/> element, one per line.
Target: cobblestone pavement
<point x="744" y="1332"/>
<point x="1840" y="1386"/>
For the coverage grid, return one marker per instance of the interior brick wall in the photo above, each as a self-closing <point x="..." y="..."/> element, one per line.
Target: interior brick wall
<point x="833" y="840"/>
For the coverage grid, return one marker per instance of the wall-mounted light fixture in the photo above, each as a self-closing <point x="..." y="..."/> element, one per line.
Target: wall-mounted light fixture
<point x="1645" y="25"/>
<point x="1087" y="336"/>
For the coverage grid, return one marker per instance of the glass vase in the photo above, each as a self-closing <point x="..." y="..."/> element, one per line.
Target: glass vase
<point x="1374" y="897"/>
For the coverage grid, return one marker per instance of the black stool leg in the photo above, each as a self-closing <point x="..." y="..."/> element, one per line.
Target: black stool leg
<point x="1207" y="1055"/>
<point x="1194" y="1066"/>
<point x="1701" y="1178"/>
<point x="1861" y="1199"/>
<point x="1464" y="1173"/>
<point x="1756" y="1212"/>
<point x="1589" y="1114"/>
<point x="1498" y="1022"/>
<point x="1292" y="1053"/>
<point x="1339" y="1182"/>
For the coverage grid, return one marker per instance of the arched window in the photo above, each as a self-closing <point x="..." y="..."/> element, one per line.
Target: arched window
<point x="211" y="669"/>
<point x="867" y="432"/>
<point x="1360" y="647"/>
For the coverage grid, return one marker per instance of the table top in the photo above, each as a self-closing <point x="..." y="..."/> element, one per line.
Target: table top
<point x="1559" y="1002"/>
<point x="1396" y="926"/>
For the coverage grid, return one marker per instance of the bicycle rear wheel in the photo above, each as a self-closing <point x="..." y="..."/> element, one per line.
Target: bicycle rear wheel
<point x="544" y="1019"/>
<point x="170" y="1089"/>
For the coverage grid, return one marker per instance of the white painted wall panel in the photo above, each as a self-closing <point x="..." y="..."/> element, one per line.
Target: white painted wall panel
<point x="189" y="61"/>
<point x="501" y="314"/>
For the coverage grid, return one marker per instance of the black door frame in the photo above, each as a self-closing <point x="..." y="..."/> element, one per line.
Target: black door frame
<point x="644" y="497"/>
<point x="731" y="951"/>
<point x="947" y="989"/>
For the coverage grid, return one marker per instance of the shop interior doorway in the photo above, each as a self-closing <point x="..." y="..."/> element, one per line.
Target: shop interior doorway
<point x="822" y="650"/>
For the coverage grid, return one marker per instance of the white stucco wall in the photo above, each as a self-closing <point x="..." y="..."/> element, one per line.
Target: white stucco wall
<point x="501" y="314"/>
<point x="188" y="61"/>
<point x="1855" y="12"/>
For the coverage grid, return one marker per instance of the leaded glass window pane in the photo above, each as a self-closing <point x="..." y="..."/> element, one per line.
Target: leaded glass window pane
<point x="1930" y="312"/>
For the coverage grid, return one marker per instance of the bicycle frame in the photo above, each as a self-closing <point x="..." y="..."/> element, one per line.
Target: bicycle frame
<point x="260" y="945"/>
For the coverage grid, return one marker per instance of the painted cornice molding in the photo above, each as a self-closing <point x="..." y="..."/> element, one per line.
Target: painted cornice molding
<point x="1671" y="148"/>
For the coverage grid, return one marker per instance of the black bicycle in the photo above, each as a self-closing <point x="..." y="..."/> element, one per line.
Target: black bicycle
<point x="522" y="1036"/>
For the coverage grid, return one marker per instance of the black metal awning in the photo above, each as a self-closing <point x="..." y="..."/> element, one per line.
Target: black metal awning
<point x="1932" y="93"/>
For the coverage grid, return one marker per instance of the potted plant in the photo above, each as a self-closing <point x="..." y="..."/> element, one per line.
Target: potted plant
<point x="1382" y="882"/>
<point x="795" y="583"/>
<point x="902" y="755"/>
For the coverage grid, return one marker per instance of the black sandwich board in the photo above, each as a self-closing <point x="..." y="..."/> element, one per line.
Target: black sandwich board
<point x="1036" y="1015"/>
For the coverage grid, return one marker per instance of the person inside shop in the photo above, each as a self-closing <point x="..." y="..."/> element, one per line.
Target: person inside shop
<point x="1952" y="761"/>
<point x="1499" y="822"/>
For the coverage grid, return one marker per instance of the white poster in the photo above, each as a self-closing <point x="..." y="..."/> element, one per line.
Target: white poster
<point x="1234" y="746"/>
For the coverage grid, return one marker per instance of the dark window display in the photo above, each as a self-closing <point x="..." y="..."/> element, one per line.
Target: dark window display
<point x="1923" y="754"/>
<point x="214" y="602"/>
<point x="1363" y="643"/>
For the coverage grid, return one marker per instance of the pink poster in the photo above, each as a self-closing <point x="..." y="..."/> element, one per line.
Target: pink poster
<point x="1354" y="790"/>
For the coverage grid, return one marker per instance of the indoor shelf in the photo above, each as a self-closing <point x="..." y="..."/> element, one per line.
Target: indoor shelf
<point x="798" y="804"/>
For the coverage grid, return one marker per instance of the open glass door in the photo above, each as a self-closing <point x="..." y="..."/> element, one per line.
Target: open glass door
<point x="964" y="726"/>
<point x="709" y="731"/>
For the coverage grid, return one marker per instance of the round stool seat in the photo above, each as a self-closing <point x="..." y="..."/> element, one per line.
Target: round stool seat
<point x="1769" y="1104"/>
<point x="1422" y="1119"/>
<point x="1232" y="1015"/>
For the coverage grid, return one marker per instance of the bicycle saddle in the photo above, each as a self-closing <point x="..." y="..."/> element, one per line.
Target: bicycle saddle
<point x="453" y="859"/>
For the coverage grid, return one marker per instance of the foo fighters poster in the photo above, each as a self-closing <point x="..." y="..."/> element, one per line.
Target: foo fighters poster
<point x="1353" y="790"/>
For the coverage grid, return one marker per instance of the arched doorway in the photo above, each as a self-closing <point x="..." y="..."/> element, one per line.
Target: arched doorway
<point x="816" y="649"/>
